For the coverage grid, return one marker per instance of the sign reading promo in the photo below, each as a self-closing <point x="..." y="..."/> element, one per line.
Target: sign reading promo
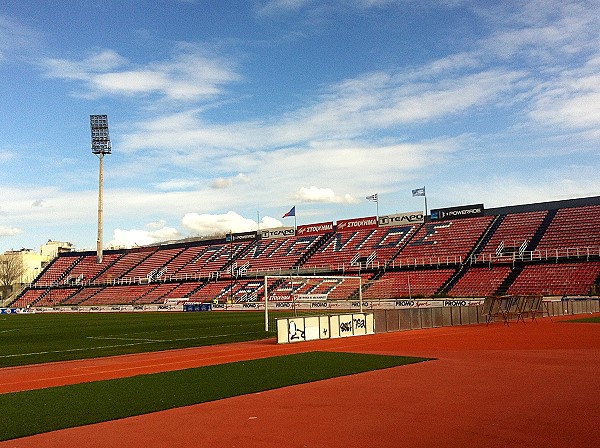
<point x="401" y="219"/>
<point x="279" y="232"/>
<point x="464" y="211"/>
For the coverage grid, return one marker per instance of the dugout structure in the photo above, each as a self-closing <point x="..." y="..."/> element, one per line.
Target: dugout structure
<point x="293" y="296"/>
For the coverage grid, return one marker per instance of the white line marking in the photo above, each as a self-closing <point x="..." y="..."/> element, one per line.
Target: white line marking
<point x="100" y="347"/>
<point x="112" y="338"/>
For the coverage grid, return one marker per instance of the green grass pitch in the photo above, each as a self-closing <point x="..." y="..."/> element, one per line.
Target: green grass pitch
<point x="33" y="412"/>
<point x="38" y="338"/>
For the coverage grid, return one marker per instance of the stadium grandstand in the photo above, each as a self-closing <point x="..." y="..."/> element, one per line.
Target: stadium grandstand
<point x="550" y="249"/>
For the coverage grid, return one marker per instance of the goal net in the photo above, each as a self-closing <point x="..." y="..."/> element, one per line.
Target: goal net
<point x="293" y="296"/>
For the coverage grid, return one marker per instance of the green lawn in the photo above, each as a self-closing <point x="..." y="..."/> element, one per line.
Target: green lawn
<point x="38" y="338"/>
<point x="33" y="412"/>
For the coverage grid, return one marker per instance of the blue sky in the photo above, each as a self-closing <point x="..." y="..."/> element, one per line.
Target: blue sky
<point x="224" y="112"/>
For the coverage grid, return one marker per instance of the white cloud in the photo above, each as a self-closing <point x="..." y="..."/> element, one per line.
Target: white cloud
<point x="189" y="75"/>
<point x="348" y="167"/>
<point x="157" y="225"/>
<point x="9" y="231"/>
<point x="221" y="183"/>
<point x="15" y="38"/>
<point x="6" y="156"/>
<point x="177" y="184"/>
<point x="156" y="233"/>
<point x="268" y="222"/>
<point x="326" y="195"/>
<point x="210" y="224"/>
<point x="370" y="103"/>
<point x="272" y="7"/>
<point x="385" y="100"/>
<point x="572" y="100"/>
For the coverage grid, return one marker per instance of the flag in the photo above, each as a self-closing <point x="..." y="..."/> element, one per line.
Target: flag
<point x="418" y="192"/>
<point x="292" y="212"/>
<point x="373" y="198"/>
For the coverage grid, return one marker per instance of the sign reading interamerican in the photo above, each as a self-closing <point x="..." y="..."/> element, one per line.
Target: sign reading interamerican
<point x="278" y="232"/>
<point x="464" y="211"/>
<point x="401" y="218"/>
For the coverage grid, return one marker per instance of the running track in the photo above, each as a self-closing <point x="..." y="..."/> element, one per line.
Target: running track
<point x="524" y="385"/>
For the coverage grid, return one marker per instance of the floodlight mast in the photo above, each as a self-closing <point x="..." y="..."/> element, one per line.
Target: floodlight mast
<point x="100" y="147"/>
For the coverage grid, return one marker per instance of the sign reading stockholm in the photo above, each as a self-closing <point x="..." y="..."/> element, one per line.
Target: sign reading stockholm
<point x="464" y="211"/>
<point x="401" y="219"/>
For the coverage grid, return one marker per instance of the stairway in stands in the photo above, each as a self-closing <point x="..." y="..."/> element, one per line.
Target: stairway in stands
<point x="464" y="266"/>
<point x="509" y="280"/>
<point x="541" y="230"/>
<point x="323" y="239"/>
<point x="518" y="267"/>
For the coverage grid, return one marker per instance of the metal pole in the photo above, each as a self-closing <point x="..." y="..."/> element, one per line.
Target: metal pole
<point x="100" y="146"/>
<point x="266" y="306"/>
<point x="360" y="299"/>
<point x="100" y="209"/>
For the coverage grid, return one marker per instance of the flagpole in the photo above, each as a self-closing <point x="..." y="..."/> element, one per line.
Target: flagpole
<point x="374" y="198"/>
<point x="292" y="212"/>
<point x="425" y="197"/>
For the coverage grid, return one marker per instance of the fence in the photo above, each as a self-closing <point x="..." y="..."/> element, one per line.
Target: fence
<point x="431" y="317"/>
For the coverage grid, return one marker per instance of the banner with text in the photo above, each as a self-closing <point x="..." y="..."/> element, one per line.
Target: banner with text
<point x="243" y="236"/>
<point x="315" y="229"/>
<point x="279" y="232"/>
<point x="464" y="211"/>
<point x="357" y="223"/>
<point x="401" y="219"/>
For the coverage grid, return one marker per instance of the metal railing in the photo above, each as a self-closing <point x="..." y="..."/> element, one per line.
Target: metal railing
<point x="566" y="253"/>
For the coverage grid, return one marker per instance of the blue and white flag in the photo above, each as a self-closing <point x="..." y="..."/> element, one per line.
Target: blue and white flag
<point x="292" y="212"/>
<point x="373" y="198"/>
<point x="418" y="192"/>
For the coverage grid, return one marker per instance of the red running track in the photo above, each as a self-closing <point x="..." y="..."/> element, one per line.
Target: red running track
<point x="523" y="385"/>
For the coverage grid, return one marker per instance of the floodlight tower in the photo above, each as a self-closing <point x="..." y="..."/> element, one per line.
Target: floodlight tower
<point x="100" y="146"/>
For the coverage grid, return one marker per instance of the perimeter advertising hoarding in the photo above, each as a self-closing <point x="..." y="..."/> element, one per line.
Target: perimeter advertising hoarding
<point x="315" y="229"/>
<point x="279" y="232"/>
<point x="464" y="211"/>
<point x="356" y="224"/>
<point x="401" y="219"/>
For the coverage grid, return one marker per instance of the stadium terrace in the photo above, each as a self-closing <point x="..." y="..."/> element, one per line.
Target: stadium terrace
<point x="549" y="249"/>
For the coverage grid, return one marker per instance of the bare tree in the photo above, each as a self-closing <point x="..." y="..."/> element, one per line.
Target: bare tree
<point x="12" y="269"/>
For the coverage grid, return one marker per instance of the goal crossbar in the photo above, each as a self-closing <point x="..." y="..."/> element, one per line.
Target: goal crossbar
<point x="306" y="280"/>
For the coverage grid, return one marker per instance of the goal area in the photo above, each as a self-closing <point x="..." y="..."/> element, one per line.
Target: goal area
<point x="294" y="296"/>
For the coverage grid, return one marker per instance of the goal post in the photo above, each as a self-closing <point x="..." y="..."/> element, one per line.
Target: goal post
<point x="295" y="295"/>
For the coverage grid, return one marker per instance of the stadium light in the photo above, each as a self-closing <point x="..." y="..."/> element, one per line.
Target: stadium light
<point x="100" y="147"/>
